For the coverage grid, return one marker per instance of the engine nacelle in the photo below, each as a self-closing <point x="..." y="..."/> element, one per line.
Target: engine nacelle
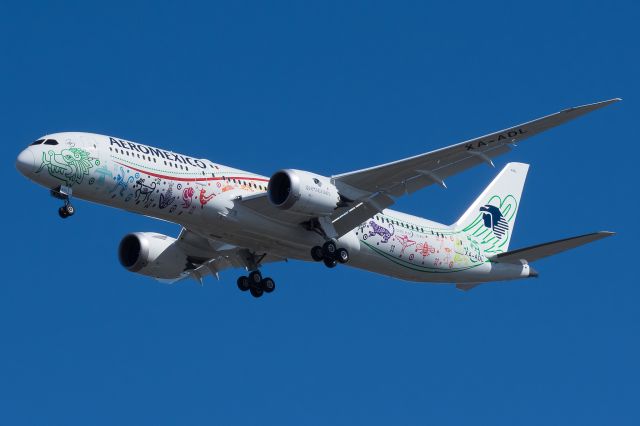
<point x="303" y="192"/>
<point x="152" y="254"/>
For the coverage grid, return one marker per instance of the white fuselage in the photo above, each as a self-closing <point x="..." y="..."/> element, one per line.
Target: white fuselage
<point x="202" y="196"/>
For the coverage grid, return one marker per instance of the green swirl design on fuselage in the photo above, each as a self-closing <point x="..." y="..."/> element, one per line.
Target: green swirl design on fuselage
<point x="70" y="165"/>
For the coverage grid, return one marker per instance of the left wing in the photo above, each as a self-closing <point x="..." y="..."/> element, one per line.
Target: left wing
<point x="413" y="173"/>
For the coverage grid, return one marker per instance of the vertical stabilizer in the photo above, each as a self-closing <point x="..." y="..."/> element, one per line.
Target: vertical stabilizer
<point x="492" y="216"/>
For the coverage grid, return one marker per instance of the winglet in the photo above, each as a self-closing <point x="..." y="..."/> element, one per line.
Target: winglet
<point x="583" y="109"/>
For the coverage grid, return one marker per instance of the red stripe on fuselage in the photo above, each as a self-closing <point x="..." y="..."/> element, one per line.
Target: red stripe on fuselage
<point x="181" y="179"/>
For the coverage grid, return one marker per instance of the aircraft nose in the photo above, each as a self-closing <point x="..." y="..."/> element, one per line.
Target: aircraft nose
<point x="26" y="162"/>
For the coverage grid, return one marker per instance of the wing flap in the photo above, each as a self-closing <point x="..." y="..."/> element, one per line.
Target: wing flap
<point x="361" y="212"/>
<point x="209" y="256"/>
<point x="260" y="203"/>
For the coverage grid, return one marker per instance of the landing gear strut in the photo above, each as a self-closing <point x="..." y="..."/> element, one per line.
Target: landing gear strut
<point x="256" y="285"/>
<point x="330" y="254"/>
<point x="64" y="193"/>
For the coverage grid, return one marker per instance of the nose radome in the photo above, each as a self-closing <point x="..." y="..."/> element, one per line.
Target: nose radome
<point x="26" y="162"/>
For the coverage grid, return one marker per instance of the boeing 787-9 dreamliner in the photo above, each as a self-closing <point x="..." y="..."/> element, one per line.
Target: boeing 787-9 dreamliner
<point x="231" y="218"/>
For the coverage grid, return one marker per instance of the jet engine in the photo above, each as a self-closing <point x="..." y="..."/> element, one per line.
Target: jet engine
<point x="152" y="254"/>
<point x="303" y="192"/>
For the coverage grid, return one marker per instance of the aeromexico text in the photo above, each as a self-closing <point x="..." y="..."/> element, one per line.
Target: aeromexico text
<point x="143" y="149"/>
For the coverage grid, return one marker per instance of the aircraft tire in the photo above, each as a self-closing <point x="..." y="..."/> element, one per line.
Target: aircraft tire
<point x="69" y="209"/>
<point x="255" y="277"/>
<point x="243" y="283"/>
<point x="317" y="254"/>
<point x="329" y="249"/>
<point x="330" y="262"/>
<point x="267" y="285"/>
<point x="63" y="213"/>
<point x="342" y="255"/>
<point x="256" y="291"/>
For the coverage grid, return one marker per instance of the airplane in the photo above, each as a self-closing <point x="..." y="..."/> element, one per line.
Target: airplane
<point x="232" y="218"/>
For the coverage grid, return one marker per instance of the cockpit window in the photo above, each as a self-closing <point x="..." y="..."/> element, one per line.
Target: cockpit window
<point x="51" y="142"/>
<point x="38" y="142"/>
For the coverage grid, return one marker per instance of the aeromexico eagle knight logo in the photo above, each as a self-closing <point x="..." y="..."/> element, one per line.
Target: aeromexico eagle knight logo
<point x="492" y="227"/>
<point x="493" y="219"/>
<point x="70" y="165"/>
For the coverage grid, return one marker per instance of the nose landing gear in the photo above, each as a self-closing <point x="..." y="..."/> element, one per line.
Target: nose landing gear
<point x="330" y="254"/>
<point x="66" y="211"/>
<point x="64" y="193"/>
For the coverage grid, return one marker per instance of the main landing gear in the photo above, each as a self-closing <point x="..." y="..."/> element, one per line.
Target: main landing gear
<point x="256" y="285"/>
<point x="64" y="193"/>
<point x="330" y="254"/>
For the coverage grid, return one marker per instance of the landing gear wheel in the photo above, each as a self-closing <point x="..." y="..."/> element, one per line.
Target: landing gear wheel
<point x="267" y="285"/>
<point x="317" y="254"/>
<point x="243" y="283"/>
<point x="63" y="213"/>
<point x="69" y="209"/>
<point x="342" y="255"/>
<point x="255" y="278"/>
<point x="256" y="291"/>
<point x="330" y="263"/>
<point x="329" y="249"/>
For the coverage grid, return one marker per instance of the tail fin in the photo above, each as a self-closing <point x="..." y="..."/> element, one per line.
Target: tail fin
<point x="492" y="216"/>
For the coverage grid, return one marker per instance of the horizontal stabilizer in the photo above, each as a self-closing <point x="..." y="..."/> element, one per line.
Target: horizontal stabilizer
<point x="533" y="253"/>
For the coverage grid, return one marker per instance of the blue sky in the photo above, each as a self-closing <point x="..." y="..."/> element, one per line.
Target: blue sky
<point x="327" y="87"/>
